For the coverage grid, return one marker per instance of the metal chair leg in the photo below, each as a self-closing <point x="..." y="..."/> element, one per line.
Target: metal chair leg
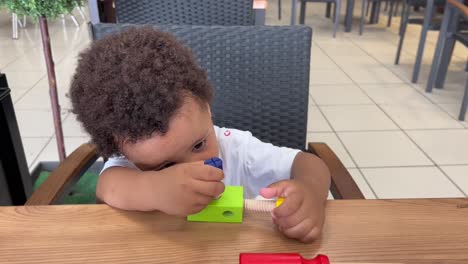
<point x="73" y="18"/>
<point x="279" y="9"/>
<point x="368" y="8"/>
<point x="422" y="40"/>
<point x="396" y="7"/>
<point x="293" y="12"/>
<point x="402" y="16"/>
<point x="464" y="105"/>
<point x="302" y="12"/>
<point x="377" y="15"/>
<point x="390" y="13"/>
<point x="444" y="62"/>
<point x="447" y="21"/>
<point x="14" y="25"/>
<point x="80" y="10"/>
<point x="334" y="12"/>
<point x="402" y="34"/>
<point x="20" y="24"/>
<point x="337" y="17"/>
<point x="361" y="23"/>
<point x="328" y="10"/>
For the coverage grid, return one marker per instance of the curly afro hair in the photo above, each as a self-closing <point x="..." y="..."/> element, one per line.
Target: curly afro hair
<point x="127" y="86"/>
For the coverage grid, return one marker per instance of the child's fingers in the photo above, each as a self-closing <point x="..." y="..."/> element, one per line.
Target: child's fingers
<point x="299" y="231"/>
<point x="209" y="188"/>
<point x="291" y="204"/>
<point x="207" y="173"/>
<point x="292" y="220"/>
<point x="312" y="235"/>
<point x="268" y="193"/>
<point x="276" y="189"/>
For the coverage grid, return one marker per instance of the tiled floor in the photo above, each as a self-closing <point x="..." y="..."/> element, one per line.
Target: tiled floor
<point x="396" y="140"/>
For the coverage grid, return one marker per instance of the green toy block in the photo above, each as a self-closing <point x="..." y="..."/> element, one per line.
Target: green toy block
<point x="229" y="208"/>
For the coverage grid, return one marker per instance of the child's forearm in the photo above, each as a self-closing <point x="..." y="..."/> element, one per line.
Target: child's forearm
<point x="126" y="189"/>
<point x="312" y="172"/>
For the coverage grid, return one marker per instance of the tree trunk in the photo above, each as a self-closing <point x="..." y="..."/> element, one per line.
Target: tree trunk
<point x="52" y="86"/>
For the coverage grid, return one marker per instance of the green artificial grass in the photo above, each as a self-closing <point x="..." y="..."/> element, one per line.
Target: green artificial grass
<point x="83" y="192"/>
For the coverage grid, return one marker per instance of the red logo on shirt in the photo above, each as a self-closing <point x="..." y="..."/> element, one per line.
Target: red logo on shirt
<point x="227" y="133"/>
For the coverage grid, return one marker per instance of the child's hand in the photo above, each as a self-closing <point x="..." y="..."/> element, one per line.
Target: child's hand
<point x="187" y="188"/>
<point x="302" y="213"/>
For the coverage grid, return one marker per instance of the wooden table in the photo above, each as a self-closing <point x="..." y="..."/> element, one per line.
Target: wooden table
<point x="359" y="231"/>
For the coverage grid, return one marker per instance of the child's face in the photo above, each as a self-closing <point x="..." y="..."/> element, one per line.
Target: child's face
<point x="190" y="137"/>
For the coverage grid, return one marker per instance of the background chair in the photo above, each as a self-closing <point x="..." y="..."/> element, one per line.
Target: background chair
<point x="336" y="12"/>
<point x="450" y="32"/>
<point x="428" y="22"/>
<point x="185" y="12"/>
<point x="366" y="4"/>
<point x="261" y="80"/>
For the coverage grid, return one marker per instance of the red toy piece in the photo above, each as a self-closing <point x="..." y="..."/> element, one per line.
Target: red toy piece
<point x="280" y="258"/>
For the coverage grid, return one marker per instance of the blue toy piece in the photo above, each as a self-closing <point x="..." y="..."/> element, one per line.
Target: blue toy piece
<point x="215" y="162"/>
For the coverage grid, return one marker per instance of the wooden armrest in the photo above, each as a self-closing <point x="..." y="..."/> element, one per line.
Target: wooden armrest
<point x="342" y="184"/>
<point x="64" y="176"/>
<point x="460" y="6"/>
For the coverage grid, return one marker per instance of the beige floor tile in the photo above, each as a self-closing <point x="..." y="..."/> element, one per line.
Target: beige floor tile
<point x="32" y="147"/>
<point x="320" y="61"/>
<point x="362" y="184"/>
<point x="445" y="147"/>
<point x="23" y="79"/>
<point x="357" y="117"/>
<point x="334" y="143"/>
<point x="34" y="99"/>
<point x="454" y="110"/>
<point x="326" y="77"/>
<point x="451" y="94"/>
<point x="458" y="174"/>
<point x="342" y="48"/>
<point x="50" y="152"/>
<point x="379" y="48"/>
<point x="410" y="182"/>
<point x="38" y="99"/>
<point x="26" y="64"/>
<point x="316" y="122"/>
<point x="339" y="95"/>
<point x="395" y="94"/>
<point x="17" y="93"/>
<point x="382" y="149"/>
<point x="371" y="75"/>
<point x="33" y="123"/>
<point x="6" y="59"/>
<point x="356" y="61"/>
<point x="420" y="117"/>
<point x="72" y="128"/>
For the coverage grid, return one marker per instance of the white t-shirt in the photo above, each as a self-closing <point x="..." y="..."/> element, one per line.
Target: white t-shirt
<point x="247" y="161"/>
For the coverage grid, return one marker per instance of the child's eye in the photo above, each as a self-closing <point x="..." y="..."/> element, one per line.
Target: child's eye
<point x="169" y="164"/>
<point x="200" y="146"/>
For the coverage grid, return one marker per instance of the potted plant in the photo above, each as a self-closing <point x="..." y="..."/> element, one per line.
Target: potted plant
<point x="41" y="10"/>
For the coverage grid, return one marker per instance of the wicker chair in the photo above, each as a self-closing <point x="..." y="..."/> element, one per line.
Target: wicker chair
<point x="185" y="12"/>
